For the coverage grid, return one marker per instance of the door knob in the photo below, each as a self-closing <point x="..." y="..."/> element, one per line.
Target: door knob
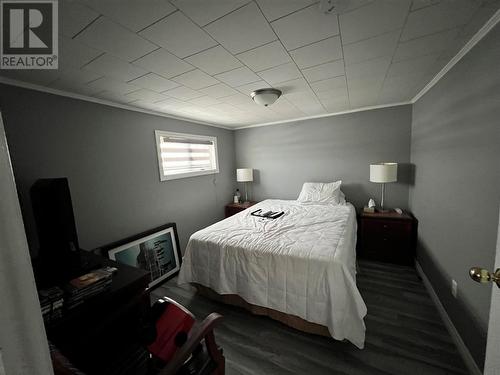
<point x="484" y="276"/>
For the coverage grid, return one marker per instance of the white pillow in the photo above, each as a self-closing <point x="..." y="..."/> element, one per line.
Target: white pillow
<point x="320" y="192"/>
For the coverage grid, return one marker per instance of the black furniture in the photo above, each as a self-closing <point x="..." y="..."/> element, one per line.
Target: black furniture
<point x="102" y="336"/>
<point x="58" y="256"/>
<point x="387" y="237"/>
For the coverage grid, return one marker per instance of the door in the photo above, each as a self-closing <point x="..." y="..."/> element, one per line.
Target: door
<point x="492" y="363"/>
<point x="23" y="344"/>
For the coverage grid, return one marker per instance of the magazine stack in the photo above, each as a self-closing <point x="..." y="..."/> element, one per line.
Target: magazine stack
<point x="51" y="302"/>
<point x="84" y="287"/>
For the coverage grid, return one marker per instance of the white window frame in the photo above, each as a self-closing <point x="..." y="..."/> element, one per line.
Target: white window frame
<point x="163" y="177"/>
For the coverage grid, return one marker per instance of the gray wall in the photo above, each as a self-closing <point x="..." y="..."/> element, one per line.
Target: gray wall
<point x="455" y="149"/>
<point x="109" y="156"/>
<point x="326" y="149"/>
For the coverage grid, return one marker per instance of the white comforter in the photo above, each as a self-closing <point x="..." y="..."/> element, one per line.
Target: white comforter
<point x="302" y="263"/>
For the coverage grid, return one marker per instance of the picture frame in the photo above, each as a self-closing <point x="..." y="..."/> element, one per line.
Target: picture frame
<point x="156" y="251"/>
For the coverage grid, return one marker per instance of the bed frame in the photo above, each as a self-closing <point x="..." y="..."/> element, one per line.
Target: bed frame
<point x="287" y="319"/>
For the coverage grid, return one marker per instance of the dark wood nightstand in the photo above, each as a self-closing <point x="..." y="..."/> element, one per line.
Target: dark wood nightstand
<point x="387" y="237"/>
<point x="234" y="208"/>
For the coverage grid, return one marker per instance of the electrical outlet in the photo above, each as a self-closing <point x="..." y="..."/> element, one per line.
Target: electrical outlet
<point x="454" y="288"/>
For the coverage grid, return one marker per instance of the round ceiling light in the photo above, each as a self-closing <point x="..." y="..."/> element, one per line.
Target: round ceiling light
<point x="265" y="97"/>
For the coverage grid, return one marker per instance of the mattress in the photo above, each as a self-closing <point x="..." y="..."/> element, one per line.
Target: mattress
<point x="303" y="263"/>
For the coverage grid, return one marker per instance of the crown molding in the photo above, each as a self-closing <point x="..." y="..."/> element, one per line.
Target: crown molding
<point x="480" y="34"/>
<point x="362" y="109"/>
<point x="31" y="86"/>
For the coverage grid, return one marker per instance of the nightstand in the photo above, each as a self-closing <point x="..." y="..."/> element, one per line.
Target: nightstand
<point x="234" y="208"/>
<point x="387" y="237"/>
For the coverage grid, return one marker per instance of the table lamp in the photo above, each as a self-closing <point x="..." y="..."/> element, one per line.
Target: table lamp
<point x="245" y="175"/>
<point x="383" y="173"/>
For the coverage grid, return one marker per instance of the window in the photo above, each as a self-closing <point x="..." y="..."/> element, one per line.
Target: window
<point x="185" y="155"/>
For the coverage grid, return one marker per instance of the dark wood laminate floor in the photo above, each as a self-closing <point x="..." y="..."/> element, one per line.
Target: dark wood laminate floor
<point x="405" y="334"/>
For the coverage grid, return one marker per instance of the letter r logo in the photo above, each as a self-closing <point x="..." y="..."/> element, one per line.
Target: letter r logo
<point x="27" y="27"/>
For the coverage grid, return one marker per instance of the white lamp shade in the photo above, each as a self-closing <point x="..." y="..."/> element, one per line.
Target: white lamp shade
<point x="384" y="172"/>
<point x="244" y="175"/>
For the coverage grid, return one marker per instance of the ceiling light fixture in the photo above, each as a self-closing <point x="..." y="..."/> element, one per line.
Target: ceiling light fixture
<point x="265" y="97"/>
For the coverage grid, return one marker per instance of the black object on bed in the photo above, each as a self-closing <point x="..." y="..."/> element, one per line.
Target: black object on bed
<point x="268" y="214"/>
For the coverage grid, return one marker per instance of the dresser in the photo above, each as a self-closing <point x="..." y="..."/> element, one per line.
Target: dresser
<point x="387" y="237"/>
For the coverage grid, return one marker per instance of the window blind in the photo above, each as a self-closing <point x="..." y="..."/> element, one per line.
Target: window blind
<point x="181" y="155"/>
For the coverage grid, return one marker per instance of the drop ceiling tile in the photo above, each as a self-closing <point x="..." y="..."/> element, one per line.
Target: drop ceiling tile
<point x="114" y="86"/>
<point x="206" y="11"/>
<point x="77" y="76"/>
<point x="336" y="104"/>
<point x="249" y="88"/>
<point x="324" y="71"/>
<point x="330" y="84"/>
<point x="183" y="93"/>
<point x="172" y="103"/>
<point x="214" y="60"/>
<point x="439" y="17"/>
<point x="392" y="94"/>
<point x="179" y="35"/>
<point x="113" y="67"/>
<point x="368" y="69"/>
<point x="74" y="87"/>
<point x="404" y="81"/>
<point x="360" y="99"/>
<point x="108" y="36"/>
<point x="305" y="26"/>
<point x="204" y="101"/>
<point x="238" y="77"/>
<point x="295" y="85"/>
<point x="419" y="64"/>
<point x="281" y="73"/>
<point x="218" y="91"/>
<point x="147" y="105"/>
<point x="340" y="91"/>
<point x="425" y="45"/>
<point x="154" y="82"/>
<point x="75" y="54"/>
<point x="241" y="30"/>
<point x="195" y="79"/>
<point x="225" y="108"/>
<point x="265" y="57"/>
<point x="133" y="14"/>
<point x="284" y="107"/>
<point x="374" y="19"/>
<point x="306" y="102"/>
<point x="74" y="17"/>
<point x="147" y="95"/>
<point x="318" y="53"/>
<point x="237" y="99"/>
<point x="163" y="63"/>
<point x="273" y="9"/>
<point x="378" y="46"/>
<point x="417" y="4"/>
<point x="114" y="97"/>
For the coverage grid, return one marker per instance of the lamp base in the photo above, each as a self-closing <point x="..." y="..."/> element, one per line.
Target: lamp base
<point x="382" y="210"/>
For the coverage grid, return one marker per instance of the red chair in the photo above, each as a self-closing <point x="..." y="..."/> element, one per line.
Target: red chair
<point x="178" y="345"/>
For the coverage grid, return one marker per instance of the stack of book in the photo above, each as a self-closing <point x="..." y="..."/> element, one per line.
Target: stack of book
<point x="82" y="288"/>
<point x="51" y="302"/>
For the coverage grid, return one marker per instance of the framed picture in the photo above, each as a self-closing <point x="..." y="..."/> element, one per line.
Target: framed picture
<point x="156" y="251"/>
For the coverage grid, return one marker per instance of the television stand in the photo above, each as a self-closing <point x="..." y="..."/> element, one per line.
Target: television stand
<point x="99" y="335"/>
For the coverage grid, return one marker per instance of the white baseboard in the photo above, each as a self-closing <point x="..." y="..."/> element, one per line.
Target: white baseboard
<point x="462" y="348"/>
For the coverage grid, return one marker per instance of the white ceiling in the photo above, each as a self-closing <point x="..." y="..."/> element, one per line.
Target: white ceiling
<point x="201" y="59"/>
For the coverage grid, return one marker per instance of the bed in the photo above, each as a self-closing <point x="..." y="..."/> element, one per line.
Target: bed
<point x="301" y="266"/>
